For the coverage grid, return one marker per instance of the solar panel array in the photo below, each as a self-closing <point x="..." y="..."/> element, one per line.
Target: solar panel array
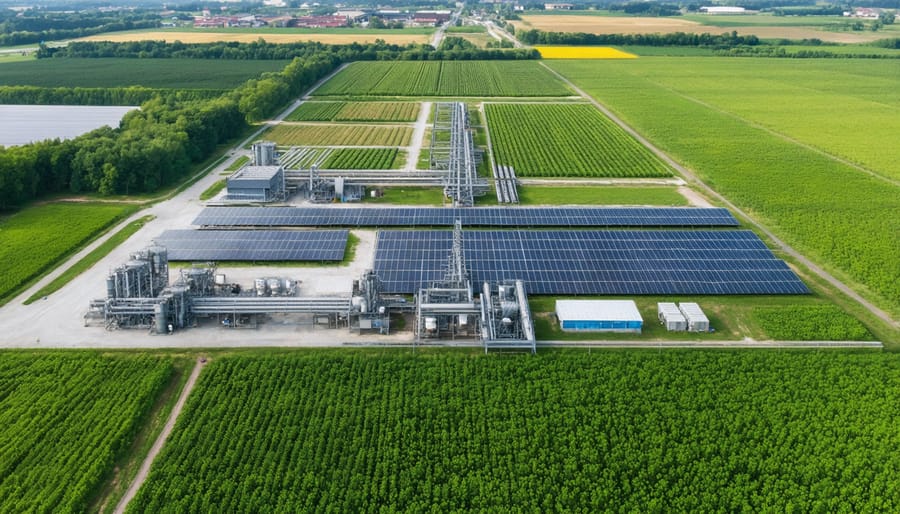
<point x="592" y="261"/>
<point x="254" y="245"/>
<point x="470" y="217"/>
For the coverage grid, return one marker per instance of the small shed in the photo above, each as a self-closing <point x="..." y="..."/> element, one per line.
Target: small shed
<point x="599" y="316"/>
<point x="256" y="184"/>
<point x="696" y="319"/>
<point x="671" y="317"/>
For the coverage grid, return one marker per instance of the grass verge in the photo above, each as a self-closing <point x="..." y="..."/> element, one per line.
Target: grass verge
<point x="90" y="259"/>
<point x="212" y="190"/>
<point x="600" y="195"/>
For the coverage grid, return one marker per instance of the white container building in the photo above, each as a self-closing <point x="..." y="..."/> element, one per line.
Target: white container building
<point x="696" y="319"/>
<point x="671" y="317"/>
<point x="599" y="316"/>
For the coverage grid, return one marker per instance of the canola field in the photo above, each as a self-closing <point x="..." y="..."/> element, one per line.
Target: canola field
<point x="582" y="52"/>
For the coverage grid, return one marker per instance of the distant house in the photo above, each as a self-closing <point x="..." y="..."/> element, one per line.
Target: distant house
<point x="433" y="18"/>
<point x="319" y="22"/>
<point x="278" y="21"/>
<point x="558" y="7"/>
<point x="723" y="9"/>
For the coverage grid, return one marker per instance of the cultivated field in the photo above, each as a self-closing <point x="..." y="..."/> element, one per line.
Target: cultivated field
<point x="339" y="135"/>
<point x="36" y="238"/>
<point x="355" y="432"/>
<point x="355" y="111"/>
<point x="64" y="421"/>
<point x="447" y="78"/>
<point x="600" y="195"/>
<point x="330" y="38"/>
<point x="362" y="159"/>
<point x="566" y="140"/>
<point x="153" y="73"/>
<point x="787" y="165"/>
<point x="648" y="25"/>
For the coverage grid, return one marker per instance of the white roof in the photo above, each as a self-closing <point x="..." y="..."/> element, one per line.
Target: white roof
<point x="607" y="310"/>
<point x="669" y="309"/>
<point x="693" y="311"/>
<point x="257" y="172"/>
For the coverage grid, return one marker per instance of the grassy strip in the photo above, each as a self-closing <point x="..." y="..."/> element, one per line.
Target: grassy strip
<point x="128" y="465"/>
<point x="600" y="195"/>
<point x="90" y="259"/>
<point x="410" y="196"/>
<point x="212" y="190"/>
<point x="733" y="318"/>
<point x="238" y="163"/>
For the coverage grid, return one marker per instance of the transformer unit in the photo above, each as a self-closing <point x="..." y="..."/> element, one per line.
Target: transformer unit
<point x="696" y="319"/>
<point x="671" y="317"/>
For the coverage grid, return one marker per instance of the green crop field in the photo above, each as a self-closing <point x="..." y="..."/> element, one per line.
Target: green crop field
<point x="64" y="420"/>
<point x="340" y="135"/>
<point x="356" y="111"/>
<point x="776" y="146"/>
<point x="361" y="159"/>
<point x="153" y="73"/>
<point x="445" y="78"/>
<point x="36" y="238"/>
<point x="638" y="431"/>
<point x="566" y="140"/>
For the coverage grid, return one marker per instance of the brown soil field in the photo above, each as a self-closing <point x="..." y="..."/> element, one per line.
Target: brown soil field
<point x="622" y="25"/>
<point x="246" y="37"/>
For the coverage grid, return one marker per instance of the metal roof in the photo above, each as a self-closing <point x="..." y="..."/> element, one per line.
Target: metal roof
<point x="606" y="310"/>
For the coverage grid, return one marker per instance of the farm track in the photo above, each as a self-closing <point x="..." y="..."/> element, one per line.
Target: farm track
<point x="691" y="177"/>
<point x="161" y="440"/>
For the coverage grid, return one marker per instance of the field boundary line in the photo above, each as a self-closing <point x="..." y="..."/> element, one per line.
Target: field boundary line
<point x="692" y="177"/>
<point x="144" y="470"/>
<point x="783" y="137"/>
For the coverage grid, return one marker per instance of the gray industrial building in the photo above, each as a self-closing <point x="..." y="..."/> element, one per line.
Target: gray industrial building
<point x="256" y="184"/>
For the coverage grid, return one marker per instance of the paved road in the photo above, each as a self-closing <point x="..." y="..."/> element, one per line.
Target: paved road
<point x="692" y="178"/>
<point x="160" y="441"/>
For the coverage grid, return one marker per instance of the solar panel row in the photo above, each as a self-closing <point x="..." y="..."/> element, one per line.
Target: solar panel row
<point x="478" y="216"/>
<point x="592" y="261"/>
<point x="254" y="245"/>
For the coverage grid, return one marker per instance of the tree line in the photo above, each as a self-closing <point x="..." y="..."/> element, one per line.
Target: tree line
<point x="35" y="26"/>
<point x="540" y="37"/>
<point x="158" y="144"/>
<point x="131" y="95"/>
<point x="262" y="50"/>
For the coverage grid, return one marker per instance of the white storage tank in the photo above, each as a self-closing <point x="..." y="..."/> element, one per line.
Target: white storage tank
<point x="671" y="317"/>
<point x="696" y="319"/>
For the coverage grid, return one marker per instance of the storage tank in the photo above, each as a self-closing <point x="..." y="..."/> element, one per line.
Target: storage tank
<point x="430" y="325"/>
<point x="696" y="319"/>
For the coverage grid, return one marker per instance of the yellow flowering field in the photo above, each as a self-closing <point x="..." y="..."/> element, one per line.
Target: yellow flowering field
<point x="582" y="52"/>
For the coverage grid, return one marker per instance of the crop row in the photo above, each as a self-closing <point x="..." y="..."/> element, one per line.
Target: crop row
<point x="355" y="111"/>
<point x="64" y="420"/>
<point x="361" y="159"/>
<point x="840" y="216"/>
<point x="445" y="78"/>
<point x="566" y="140"/>
<point x="340" y="135"/>
<point x="35" y="238"/>
<point x="565" y="432"/>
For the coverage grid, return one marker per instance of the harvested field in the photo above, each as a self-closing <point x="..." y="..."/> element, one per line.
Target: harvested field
<point x="249" y="37"/>
<point x="624" y="25"/>
<point x="340" y="135"/>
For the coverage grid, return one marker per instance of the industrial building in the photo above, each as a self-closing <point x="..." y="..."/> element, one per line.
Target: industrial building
<point x="256" y="184"/>
<point x="696" y="319"/>
<point x="599" y="316"/>
<point x="671" y="317"/>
